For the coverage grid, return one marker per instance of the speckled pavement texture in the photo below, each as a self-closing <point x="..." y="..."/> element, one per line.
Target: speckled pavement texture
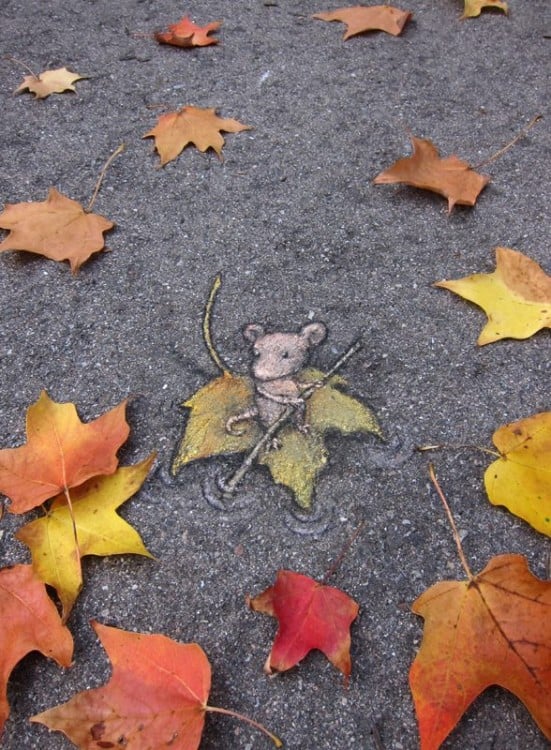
<point x="292" y="221"/>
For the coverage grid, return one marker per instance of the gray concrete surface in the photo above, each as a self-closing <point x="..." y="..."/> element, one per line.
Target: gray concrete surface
<point x="292" y="221"/>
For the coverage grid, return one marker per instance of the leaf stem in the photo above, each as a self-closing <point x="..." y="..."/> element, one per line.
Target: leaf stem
<point x="456" y="537"/>
<point x="344" y="551"/>
<point x="23" y="65"/>
<point x="106" y="166"/>
<point x="457" y="447"/>
<point x="509" y="145"/>
<point x="230" y="485"/>
<point x="213" y="709"/>
<point x="207" y="336"/>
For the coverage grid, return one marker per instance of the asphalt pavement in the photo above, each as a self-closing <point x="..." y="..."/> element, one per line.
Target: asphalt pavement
<point x="293" y="223"/>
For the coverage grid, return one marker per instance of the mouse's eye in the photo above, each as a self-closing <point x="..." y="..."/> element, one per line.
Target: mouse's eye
<point x="256" y="353"/>
<point x="285" y="355"/>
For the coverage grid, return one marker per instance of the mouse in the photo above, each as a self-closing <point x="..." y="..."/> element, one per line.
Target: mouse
<point x="277" y="359"/>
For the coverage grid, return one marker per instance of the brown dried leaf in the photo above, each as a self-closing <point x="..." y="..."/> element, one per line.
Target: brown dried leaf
<point x="202" y="127"/>
<point x="426" y="169"/>
<point x="58" y="228"/>
<point x="49" y="82"/>
<point x="359" y="19"/>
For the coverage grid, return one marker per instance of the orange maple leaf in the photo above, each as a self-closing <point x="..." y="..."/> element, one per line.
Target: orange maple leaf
<point x="359" y="19"/>
<point x="49" y="82"/>
<point x="58" y="228"/>
<point x="156" y="697"/>
<point x="30" y="622"/>
<point x="426" y="169"/>
<point x="61" y="452"/>
<point x="185" y="33"/>
<point x="311" y="616"/>
<point x="202" y="127"/>
<point x="492" y="629"/>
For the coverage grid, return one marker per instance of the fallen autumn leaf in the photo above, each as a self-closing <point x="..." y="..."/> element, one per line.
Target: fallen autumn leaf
<point x="360" y="19"/>
<point x="426" y="169"/>
<point x="516" y="297"/>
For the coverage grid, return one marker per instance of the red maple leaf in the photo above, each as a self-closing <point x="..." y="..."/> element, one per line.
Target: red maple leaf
<point x="187" y="34"/>
<point x="311" y="616"/>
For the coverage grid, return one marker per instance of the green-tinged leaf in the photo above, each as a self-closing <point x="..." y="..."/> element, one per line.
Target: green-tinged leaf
<point x="211" y="407"/>
<point x="297" y="462"/>
<point x="299" y="457"/>
<point x="328" y="408"/>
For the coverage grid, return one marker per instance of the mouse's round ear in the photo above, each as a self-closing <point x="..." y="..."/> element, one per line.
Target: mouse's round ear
<point x="252" y="332"/>
<point x="314" y="333"/>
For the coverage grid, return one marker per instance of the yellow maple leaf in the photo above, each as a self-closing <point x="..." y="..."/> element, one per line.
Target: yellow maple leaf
<point x="100" y="531"/>
<point x="516" y="297"/>
<point x="521" y="478"/>
<point x="58" y="228"/>
<point x="49" y="82"/>
<point x="202" y="127"/>
<point x="473" y="8"/>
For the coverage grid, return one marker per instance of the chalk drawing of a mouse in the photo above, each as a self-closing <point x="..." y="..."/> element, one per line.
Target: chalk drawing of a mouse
<point x="278" y="358"/>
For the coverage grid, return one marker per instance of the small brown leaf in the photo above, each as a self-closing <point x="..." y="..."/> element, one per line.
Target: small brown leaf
<point x="202" y="127"/>
<point x="58" y="228"/>
<point x="49" y="82"/>
<point x="426" y="169"/>
<point x="359" y="19"/>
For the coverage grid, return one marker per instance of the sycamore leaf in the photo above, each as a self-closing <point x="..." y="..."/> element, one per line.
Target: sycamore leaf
<point x="359" y="19"/>
<point x="187" y="34"/>
<point x="521" y="478"/>
<point x="202" y="127"/>
<point x="99" y="530"/>
<point x="494" y="629"/>
<point x="426" y="169"/>
<point x="58" y="228"/>
<point x="299" y="458"/>
<point x="516" y="297"/>
<point x="311" y="616"/>
<point x="474" y="8"/>
<point x="61" y="452"/>
<point x="49" y="82"/>
<point x="30" y="622"/>
<point x="156" y="697"/>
